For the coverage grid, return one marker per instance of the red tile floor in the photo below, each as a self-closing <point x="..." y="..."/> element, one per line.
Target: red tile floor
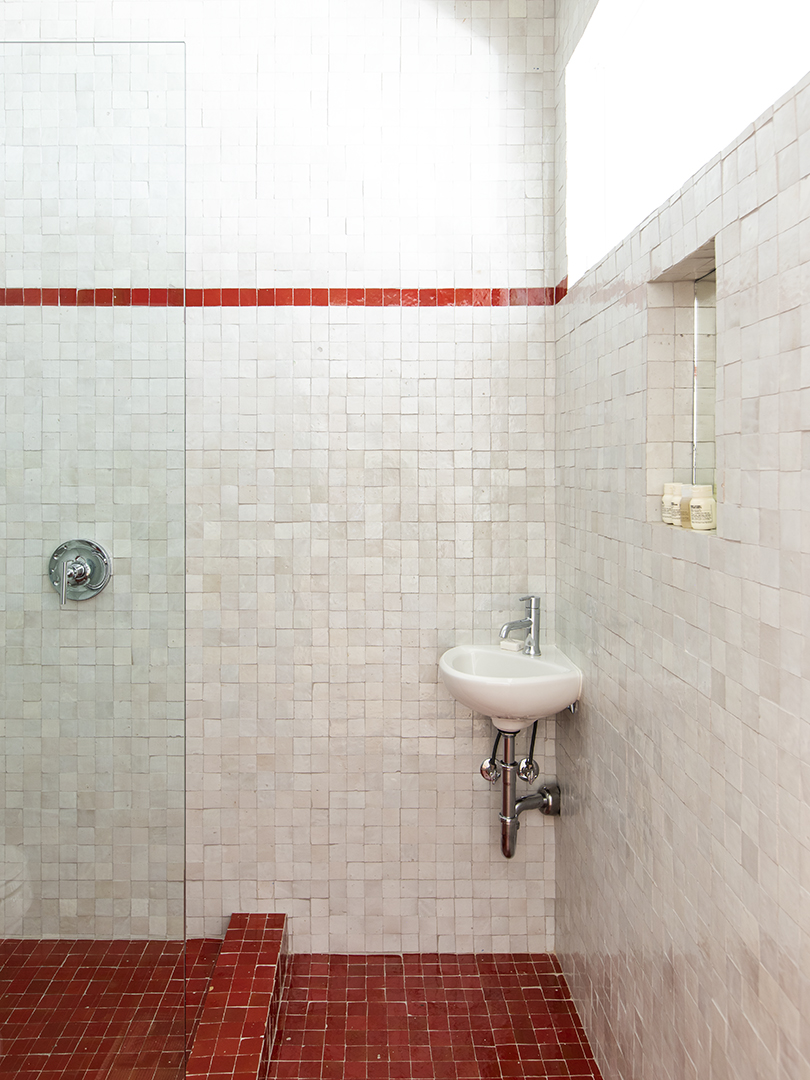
<point x="429" y="1016"/>
<point x="104" y="1010"/>
<point x="99" y="1010"/>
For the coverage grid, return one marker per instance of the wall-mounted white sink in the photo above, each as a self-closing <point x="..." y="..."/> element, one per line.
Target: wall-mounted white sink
<point x="512" y="688"/>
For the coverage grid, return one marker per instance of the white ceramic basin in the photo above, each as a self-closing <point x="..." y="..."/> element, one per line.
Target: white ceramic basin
<point x="513" y="689"/>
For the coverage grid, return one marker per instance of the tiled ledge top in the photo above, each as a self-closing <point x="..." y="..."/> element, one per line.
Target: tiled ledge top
<point x="37" y="297"/>
<point x="235" y="1034"/>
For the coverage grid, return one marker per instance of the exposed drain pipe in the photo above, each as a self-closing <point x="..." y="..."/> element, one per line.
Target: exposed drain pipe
<point x="508" y="814"/>
<point x="546" y="799"/>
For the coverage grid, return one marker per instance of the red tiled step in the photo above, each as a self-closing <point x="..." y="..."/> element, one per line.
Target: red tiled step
<point x="235" y="1034"/>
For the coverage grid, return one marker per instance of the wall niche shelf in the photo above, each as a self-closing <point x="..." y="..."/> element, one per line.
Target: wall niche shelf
<point x="681" y="376"/>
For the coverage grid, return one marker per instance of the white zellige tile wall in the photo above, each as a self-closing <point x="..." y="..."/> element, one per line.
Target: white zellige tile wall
<point x="683" y="915"/>
<point x="92" y="446"/>
<point x="350" y="516"/>
<point x="365" y="486"/>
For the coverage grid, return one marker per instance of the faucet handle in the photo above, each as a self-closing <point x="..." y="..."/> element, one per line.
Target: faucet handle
<point x="533" y="600"/>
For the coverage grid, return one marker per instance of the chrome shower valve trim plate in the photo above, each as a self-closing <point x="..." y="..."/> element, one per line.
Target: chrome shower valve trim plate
<point x="79" y="569"/>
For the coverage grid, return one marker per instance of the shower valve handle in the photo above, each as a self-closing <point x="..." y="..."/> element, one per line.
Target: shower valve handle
<point x="76" y="571"/>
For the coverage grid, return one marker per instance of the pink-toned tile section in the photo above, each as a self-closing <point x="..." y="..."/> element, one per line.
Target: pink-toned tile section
<point x="236" y="1030"/>
<point x="429" y="1017"/>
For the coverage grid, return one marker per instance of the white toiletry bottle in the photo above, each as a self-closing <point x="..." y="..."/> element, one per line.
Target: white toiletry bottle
<point x="684" y="519"/>
<point x="671" y="504"/>
<point x="702" y="508"/>
<point x="666" y="517"/>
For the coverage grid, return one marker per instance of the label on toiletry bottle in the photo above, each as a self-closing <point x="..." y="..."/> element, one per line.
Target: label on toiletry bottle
<point x="703" y="508"/>
<point x="684" y="514"/>
<point x="666" y="514"/>
<point x="671" y="504"/>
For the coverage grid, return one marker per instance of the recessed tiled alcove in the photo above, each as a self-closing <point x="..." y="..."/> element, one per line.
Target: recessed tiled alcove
<point x="681" y="375"/>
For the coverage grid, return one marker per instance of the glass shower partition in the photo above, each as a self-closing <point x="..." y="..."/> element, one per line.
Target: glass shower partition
<point x="92" y="446"/>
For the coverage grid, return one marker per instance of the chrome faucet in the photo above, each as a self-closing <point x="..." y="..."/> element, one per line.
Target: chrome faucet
<point x="531" y="624"/>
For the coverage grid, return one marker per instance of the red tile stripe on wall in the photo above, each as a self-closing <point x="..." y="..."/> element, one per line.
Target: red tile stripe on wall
<point x="544" y="297"/>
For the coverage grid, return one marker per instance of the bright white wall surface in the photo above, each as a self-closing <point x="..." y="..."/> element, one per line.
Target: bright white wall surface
<point x="651" y="97"/>
<point x="348" y="142"/>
